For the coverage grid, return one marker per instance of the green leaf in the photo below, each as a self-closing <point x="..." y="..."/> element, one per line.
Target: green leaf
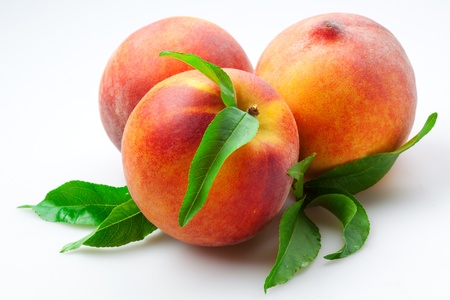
<point x="213" y="72"/>
<point x="229" y="130"/>
<point x="297" y="172"/>
<point x="79" y="202"/>
<point x="352" y="216"/>
<point x="124" y="225"/>
<point x="361" y="174"/>
<point x="299" y="245"/>
<point x="118" y="219"/>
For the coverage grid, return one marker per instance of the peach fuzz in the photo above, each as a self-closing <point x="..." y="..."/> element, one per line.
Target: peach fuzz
<point x="349" y="84"/>
<point x="163" y="134"/>
<point x="135" y="67"/>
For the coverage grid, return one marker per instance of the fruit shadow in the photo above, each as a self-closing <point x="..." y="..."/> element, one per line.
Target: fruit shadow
<point x="263" y="248"/>
<point x="260" y="251"/>
<point x="255" y="256"/>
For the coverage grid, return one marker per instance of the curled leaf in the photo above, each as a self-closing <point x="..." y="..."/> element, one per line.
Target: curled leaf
<point x="299" y="245"/>
<point x="352" y="216"/>
<point x="297" y="172"/>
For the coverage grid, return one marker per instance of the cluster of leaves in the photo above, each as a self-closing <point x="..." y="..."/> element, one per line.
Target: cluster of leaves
<point x="116" y="216"/>
<point x="119" y="221"/>
<point x="335" y="191"/>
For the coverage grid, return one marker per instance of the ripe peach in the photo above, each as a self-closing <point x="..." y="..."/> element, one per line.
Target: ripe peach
<point x="135" y="67"/>
<point x="349" y="84"/>
<point x="163" y="134"/>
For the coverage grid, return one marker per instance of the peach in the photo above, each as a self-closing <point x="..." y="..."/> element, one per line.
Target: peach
<point x="135" y="67"/>
<point x="163" y="134"/>
<point x="349" y="84"/>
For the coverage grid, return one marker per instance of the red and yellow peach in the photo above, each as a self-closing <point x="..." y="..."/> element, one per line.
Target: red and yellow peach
<point x="162" y="136"/>
<point x="135" y="67"/>
<point x="349" y="84"/>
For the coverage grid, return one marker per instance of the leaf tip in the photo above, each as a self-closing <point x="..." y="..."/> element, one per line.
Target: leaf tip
<point x="183" y="220"/>
<point x="165" y="53"/>
<point x="26" y="206"/>
<point x="65" y="249"/>
<point x="267" y="286"/>
<point x="71" y="246"/>
<point x="433" y="117"/>
<point x="332" y="256"/>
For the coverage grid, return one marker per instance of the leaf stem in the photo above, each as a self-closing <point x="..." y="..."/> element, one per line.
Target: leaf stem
<point x="253" y="110"/>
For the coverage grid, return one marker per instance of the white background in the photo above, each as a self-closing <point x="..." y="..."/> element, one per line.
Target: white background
<point x="52" y="55"/>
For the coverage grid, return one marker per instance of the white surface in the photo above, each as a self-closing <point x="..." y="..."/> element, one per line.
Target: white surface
<point x="52" y="55"/>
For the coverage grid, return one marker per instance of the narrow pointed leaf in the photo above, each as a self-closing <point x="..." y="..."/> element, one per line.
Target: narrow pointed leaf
<point x="352" y="216"/>
<point x="229" y="130"/>
<point x="124" y="225"/>
<point x="361" y="174"/>
<point x="79" y="202"/>
<point x="299" y="245"/>
<point x="298" y="172"/>
<point x="213" y="72"/>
